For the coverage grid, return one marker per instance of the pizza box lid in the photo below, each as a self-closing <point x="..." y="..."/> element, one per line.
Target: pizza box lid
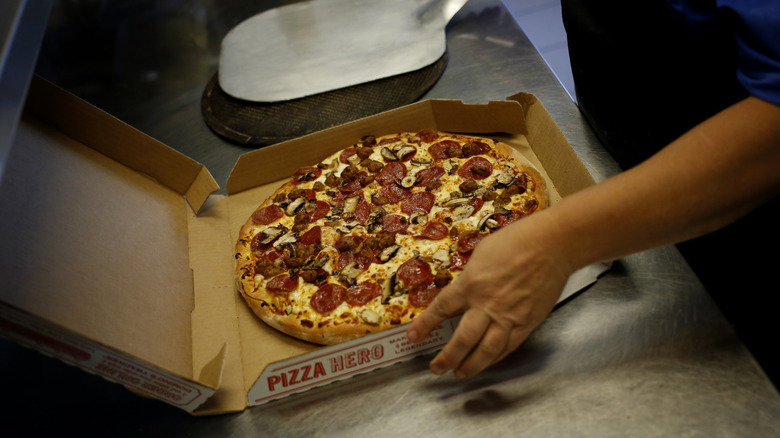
<point x="117" y="254"/>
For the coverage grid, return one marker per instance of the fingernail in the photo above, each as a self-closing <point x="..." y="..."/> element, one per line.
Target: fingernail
<point x="412" y="335"/>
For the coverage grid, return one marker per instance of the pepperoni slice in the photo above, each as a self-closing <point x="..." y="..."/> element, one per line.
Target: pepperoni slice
<point x="346" y="153"/>
<point x="418" y="201"/>
<point x="395" y="223"/>
<point x="458" y="260"/>
<point x="256" y="246"/>
<point x="434" y="231"/>
<point x="476" y="168"/>
<point x="393" y="193"/>
<point x="362" y="293"/>
<point x="429" y="175"/>
<point x="475" y="148"/>
<point x="362" y="211"/>
<point x="328" y="297"/>
<point x="469" y="240"/>
<point x="305" y="174"/>
<point x="415" y="272"/>
<point x="267" y="214"/>
<point x="321" y="209"/>
<point x="351" y="186"/>
<point x="282" y="283"/>
<point x="428" y="135"/>
<point x="438" y="150"/>
<point x="394" y="170"/>
<point x="312" y="236"/>
<point x="423" y="295"/>
<point x="506" y="219"/>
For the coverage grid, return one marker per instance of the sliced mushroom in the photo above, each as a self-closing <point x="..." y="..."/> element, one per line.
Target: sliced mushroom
<point x="388" y="287"/>
<point x="270" y="234"/>
<point x="351" y="203"/>
<point x="505" y="178"/>
<point x="370" y="317"/>
<point x="317" y="263"/>
<point x="455" y="202"/>
<point x="488" y="222"/>
<point x="404" y="151"/>
<point x="409" y="181"/>
<point x="387" y="154"/>
<point x="419" y="218"/>
<point x="462" y="212"/>
<point x="389" y="252"/>
<point x="293" y="206"/>
<point x="350" y="273"/>
<point x="287" y="239"/>
<point x="354" y="160"/>
<point x="442" y="255"/>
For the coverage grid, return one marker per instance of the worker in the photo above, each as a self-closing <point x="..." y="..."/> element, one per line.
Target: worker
<point x="685" y="94"/>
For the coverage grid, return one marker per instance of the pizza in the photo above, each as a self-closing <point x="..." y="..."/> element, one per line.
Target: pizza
<point x="365" y="239"/>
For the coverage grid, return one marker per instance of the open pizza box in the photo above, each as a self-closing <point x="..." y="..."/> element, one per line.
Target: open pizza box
<point x="117" y="256"/>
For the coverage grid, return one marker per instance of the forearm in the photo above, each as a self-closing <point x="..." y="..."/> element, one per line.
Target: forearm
<point x="708" y="178"/>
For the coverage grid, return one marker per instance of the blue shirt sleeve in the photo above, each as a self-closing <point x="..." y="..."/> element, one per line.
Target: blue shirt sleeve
<point x="757" y="28"/>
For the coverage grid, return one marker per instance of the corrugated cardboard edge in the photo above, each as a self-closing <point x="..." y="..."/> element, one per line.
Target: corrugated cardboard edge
<point x="97" y="129"/>
<point x="561" y="163"/>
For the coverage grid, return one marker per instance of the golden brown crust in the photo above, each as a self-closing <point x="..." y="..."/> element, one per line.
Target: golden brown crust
<point x="291" y="311"/>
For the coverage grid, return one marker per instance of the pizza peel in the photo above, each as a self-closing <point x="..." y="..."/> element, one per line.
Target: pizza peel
<point x="315" y="46"/>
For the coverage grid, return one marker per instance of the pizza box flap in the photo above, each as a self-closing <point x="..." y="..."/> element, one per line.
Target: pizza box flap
<point x="94" y="220"/>
<point x="268" y="164"/>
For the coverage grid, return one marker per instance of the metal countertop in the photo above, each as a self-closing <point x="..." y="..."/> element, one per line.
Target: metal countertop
<point x="643" y="352"/>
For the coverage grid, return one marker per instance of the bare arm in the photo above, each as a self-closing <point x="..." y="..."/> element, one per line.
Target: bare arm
<point x="711" y="176"/>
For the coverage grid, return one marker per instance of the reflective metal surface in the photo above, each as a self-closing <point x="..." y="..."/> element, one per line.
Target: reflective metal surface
<point x="308" y="48"/>
<point x="644" y="352"/>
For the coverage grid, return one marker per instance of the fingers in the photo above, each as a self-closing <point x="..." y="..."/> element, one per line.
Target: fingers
<point x="448" y="303"/>
<point x="477" y="343"/>
<point x="470" y="331"/>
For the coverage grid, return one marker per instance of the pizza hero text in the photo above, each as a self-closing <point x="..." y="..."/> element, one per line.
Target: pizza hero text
<point x="317" y="369"/>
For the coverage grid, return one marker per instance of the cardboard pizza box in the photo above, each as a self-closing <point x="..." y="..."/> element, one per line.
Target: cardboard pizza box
<point x="117" y="256"/>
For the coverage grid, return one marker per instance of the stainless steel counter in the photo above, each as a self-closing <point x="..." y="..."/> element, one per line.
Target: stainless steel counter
<point x="644" y="352"/>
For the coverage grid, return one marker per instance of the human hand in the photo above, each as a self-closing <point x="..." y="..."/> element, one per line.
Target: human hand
<point x="508" y="287"/>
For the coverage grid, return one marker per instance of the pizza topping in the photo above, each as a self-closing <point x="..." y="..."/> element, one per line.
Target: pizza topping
<point x="414" y="272"/>
<point x="391" y="172"/>
<point x="469" y="240"/>
<point x="442" y="256"/>
<point x="267" y="215"/>
<point x="423" y="295"/>
<point x="476" y="168"/>
<point x="370" y="317"/>
<point x="282" y="283"/>
<point x="427" y="135"/>
<point x="418" y="201"/>
<point x="270" y="234"/>
<point x="328" y="297"/>
<point x="386" y="254"/>
<point x="435" y="231"/>
<point x="361" y="293"/>
<point x="305" y="174"/>
<point x="395" y="223"/>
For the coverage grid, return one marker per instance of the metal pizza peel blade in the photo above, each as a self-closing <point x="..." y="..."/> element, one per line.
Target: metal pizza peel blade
<point x="315" y="46"/>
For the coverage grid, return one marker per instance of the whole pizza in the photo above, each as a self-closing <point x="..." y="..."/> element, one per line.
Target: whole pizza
<point x="364" y="240"/>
